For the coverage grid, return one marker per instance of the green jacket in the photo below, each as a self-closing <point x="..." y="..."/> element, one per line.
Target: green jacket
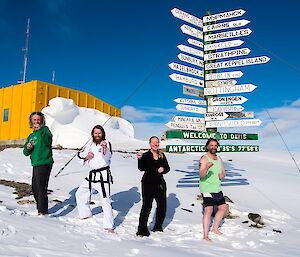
<point x="41" y="154"/>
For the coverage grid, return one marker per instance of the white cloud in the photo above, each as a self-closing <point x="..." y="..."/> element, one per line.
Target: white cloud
<point x="296" y="103"/>
<point x="144" y="130"/>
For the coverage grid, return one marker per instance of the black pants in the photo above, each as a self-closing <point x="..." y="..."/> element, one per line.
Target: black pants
<point x="40" y="179"/>
<point x="150" y="192"/>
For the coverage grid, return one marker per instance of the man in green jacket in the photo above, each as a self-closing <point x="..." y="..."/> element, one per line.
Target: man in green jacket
<point x="39" y="146"/>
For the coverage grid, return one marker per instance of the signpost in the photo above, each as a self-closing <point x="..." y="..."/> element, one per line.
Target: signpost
<point x="187" y="80"/>
<point x="227" y="54"/>
<point x="191" y="31"/>
<point x="231" y="108"/>
<point x="224" y="100"/>
<point x="190" y="59"/>
<point x="225" y="25"/>
<point x="188" y="119"/>
<point x="187" y="90"/>
<point x="189" y="101"/>
<point x="221" y="45"/>
<point x="228" y="34"/>
<point x="218" y="83"/>
<point x="233" y="123"/>
<point x="240" y="114"/>
<point x="186" y="126"/>
<point x="190" y="50"/>
<point x="190" y="108"/>
<point x="187" y="17"/>
<point x="223" y="15"/>
<point x="195" y="42"/>
<point x="186" y="69"/>
<point x="216" y="116"/>
<point x="229" y="89"/>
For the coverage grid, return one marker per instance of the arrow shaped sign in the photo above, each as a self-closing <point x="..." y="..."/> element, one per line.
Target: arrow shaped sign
<point x="229" y="89"/>
<point x="225" y="44"/>
<point x="224" y="75"/>
<point x="187" y="80"/>
<point x="227" y="34"/>
<point x="240" y="114"/>
<point x="188" y="119"/>
<point x="191" y="31"/>
<point x="187" y="90"/>
<point x="186" y="126"/>
<point x="227" y="54"/>
<point x="195" y="42"/>
<point x="232" y="108"/>
<point x="223" y="15"/>
<point x="225" y="25"/>
<point x="216" y="116"/>
<point x="190" y="59"/>
<point x="186" y="69"/>
<point x="218" y="83"/>
<point x="187" y="17"/>
<point x="237" y="63"/>
<point x="233" y="123"/>
<point x="223" y="100"/>
<point x="190" y="50"/>
<point x="189" y="101"/>
<point x="190" y="108"/>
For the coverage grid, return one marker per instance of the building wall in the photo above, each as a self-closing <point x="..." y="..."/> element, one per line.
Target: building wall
<point x="18" y="101"/>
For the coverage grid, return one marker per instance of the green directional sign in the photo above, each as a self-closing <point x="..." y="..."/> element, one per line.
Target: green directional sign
<point x="187" y="134"/>
<point x="201" y="148"/>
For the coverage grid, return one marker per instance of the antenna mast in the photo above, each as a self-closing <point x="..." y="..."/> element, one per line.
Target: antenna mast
<point x="26" y="52"/>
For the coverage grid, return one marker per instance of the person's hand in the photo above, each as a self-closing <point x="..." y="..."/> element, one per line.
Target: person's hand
<point x="89" y="156"/>
<point x="139" y="154"/>
<point x="161" y="169"/>
<point x="103" y="144"/>
<point x="29" y="146"/>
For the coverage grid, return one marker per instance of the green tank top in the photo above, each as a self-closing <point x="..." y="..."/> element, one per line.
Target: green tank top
<point x="211" y="183"/>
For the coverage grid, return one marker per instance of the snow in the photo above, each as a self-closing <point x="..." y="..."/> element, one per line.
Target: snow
<point x="265" y="183"/>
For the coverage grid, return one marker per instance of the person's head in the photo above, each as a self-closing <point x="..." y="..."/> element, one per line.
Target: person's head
<point x="98" y="134"/>
<point x="36" y="120"/>
<point x="212" y="145"/>
<point x="154" y="143"/>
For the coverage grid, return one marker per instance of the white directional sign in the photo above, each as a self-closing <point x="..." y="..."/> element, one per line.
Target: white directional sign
<point x="186" y="126"/>
<point x="215" y="116"/>
<point x="231" y="108"/>
<point x="187" y="17"/>
<point x="190" y="108"/>
<point x="233" y="123"/>
<point x="188" y="119"/>
<point x="227" y="54"/>
<point x="224" y="100"/>
<point x="223" y="15"/>
<point x="229" y="89"/>
<point x="221" y="45"/>
<point x="195" y="42"/>
<point x="237" y="63"/>
<point x="186" y="69"/>
<point x="192" y="31"/>
<point x="186" y="90"/>
<point x="240" y="114"/>
<point x="224" y="75"/>
<point x="228" y="34"/>
<point x="218" y="83"/>
<point x="187" y="80"/>
<point x="225" y="25"/>
<point x="190" y="50"/>
<point x="189" y="101"/>
<point x="190" y="59"/>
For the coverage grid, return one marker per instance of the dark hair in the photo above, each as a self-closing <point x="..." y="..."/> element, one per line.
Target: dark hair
<point x="39" y="114"/>
<point x="211" y="140"/>
<point x="152" y="138"/>
<point x="102" y="131"/>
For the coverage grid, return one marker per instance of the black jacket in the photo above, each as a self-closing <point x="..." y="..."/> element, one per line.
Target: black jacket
<point x="148" y="164"/>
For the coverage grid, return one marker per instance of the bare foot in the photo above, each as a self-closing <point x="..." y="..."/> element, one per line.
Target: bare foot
<point x="217" y="232"/>
<point x="207" y="239"/>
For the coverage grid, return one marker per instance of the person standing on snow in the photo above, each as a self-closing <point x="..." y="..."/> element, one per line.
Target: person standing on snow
<point x="154" y="164"/>
<point x="211" y="173"/>
<point x="39" y="146"/>
<point x="98" y="155"/>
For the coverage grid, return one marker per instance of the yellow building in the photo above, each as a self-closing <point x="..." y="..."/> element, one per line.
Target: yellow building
<point x="18" y="101"/>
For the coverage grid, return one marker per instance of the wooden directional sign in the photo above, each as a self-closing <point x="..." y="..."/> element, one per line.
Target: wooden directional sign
<point x="227" y="54"/>
<point x="227" y="34"/>
<point x="237" y="63"/>
<point x="190" y="108"/>
<point x="225" y="44"/>
<point x="192" y="31"/>
<point x="224" y="100"/>
<point x="187" y="80"/>
<point x="186" y="69"/>
<point x="225" y="25"/>
<point x="224" y="75"/>
<point x="219" y="83"/>
<point x="189" y="101"/>
<point x="190" y="50"/>
<point x="187" y="90"/>
<point x="223" y="15"/>
<point x="240" y="114"/>
<point x="188" y="119"/>
<point x="202" y="148"/>
<point x="229" y="89"/>
<point x="190" y="59"/>
<point x="207" y="135"/>
<point x="195" y="42"/>
<point x="233" y="123"/>
<point x="187" y="17"/>
<point x="231" y="108"/>
<point x="186" y="126"/>
<point x="215" y="116"/>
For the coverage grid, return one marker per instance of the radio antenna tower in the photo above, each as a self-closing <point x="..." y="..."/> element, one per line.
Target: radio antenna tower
<point x="25" y="50"/>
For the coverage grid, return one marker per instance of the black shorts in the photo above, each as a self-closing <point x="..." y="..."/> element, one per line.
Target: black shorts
<point x="211" y="199"/>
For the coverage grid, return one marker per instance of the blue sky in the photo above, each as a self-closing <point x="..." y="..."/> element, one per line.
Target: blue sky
<point x="119" y="51"/>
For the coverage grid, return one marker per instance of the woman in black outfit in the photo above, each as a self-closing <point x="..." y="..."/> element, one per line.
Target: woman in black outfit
<point x="155" y="164"/>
